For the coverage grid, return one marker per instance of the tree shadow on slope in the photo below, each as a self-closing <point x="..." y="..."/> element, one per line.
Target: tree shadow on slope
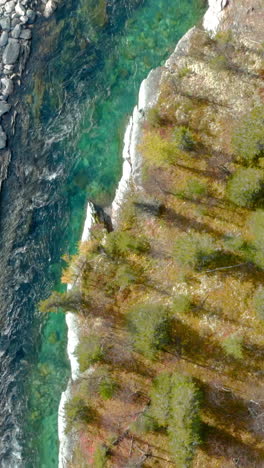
<point x="219" y="443"/>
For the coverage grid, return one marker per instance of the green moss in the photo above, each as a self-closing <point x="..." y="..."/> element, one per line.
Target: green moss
<point x="232" y="345"/>
<point x="181" y="304"/>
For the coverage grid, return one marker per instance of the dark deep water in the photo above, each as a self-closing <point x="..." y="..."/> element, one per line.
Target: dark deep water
<point x="82" y="83"/>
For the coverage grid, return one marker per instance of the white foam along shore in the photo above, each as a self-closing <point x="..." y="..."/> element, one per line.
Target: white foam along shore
<point x="131" y="173"/>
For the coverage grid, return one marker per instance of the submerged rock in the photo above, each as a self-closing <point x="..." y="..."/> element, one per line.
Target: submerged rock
<point x="3" y="138"/>
<point x="25" y="34"/>
<point x="4" y="108"/>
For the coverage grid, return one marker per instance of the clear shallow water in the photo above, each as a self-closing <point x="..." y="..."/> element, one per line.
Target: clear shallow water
<point x="77" y="101"/>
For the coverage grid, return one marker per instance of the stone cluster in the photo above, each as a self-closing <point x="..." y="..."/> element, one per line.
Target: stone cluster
<point x="16" y="22"/>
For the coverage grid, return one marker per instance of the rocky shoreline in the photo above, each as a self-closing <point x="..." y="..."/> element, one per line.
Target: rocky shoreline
<point x="17" y="19"/>
<point x="131" y="174"/>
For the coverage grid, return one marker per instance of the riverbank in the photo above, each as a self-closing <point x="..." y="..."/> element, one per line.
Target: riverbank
<point x="57" y="158"/>
<point x="131" y="180"/>
<point x="162" y="190"/>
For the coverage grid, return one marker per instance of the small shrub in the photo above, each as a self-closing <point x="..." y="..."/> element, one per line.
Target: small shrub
<point x="70" y="301"/>
<point x="245" y="187"/>
<point x="76" y="413"/>
<point x="160" y="399"/>
<point x="144" y="423"/>
<point x="232" y="346"/>
<point x="181" y="304"/>
<point x="233" y="242"/>
<point x="258" y="302"/>
<point x="219" y="63"/>
<point x="184" y="139"/>
<point x="100" y="456"/>
<point x="122" y="243"/>
<point x="155" y="118"/>
<point x="184" y="71"/>
<point x="107" y="387"/>
<point x="194" y="249"/>
<point x="150" y="328"/>
<point x="248" y="139"/>
<point x="89" y="351"/>
<point x="224" y="37"/>
<point x="256" y="229"/>
<point x="159" y="149"/>
<point x="195" y="189"/>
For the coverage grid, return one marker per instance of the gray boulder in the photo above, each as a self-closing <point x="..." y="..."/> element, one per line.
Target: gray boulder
<point x="5" y="24"/>
<point x="16" y="31"/>
<point x="25" y="34"/>
<point x="11" y="52"/>
<point x="7" y="86"/>
<point x="10" y="6"/>
<point x="4" y="108"/>
<point x="3" y="38"/>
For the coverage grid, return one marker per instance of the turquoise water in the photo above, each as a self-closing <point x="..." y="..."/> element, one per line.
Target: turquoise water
<point x="86" y="84"/>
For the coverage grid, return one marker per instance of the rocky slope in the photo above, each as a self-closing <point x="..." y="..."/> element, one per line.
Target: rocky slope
<point x="208" y="86"/>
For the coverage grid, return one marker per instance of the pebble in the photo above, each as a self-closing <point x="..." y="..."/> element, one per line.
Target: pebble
<point x="26" y="34"/>
<point x="16" y="31"/>
<point x="3" y="38"/>
<point x="11" y="52"/>
<point x="3" y="2"/>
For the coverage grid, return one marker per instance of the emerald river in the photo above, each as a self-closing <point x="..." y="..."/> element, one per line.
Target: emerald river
<point x="82" y="82"/>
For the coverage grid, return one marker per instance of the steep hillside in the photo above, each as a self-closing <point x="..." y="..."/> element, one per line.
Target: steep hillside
<point x="171" y="303"/>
